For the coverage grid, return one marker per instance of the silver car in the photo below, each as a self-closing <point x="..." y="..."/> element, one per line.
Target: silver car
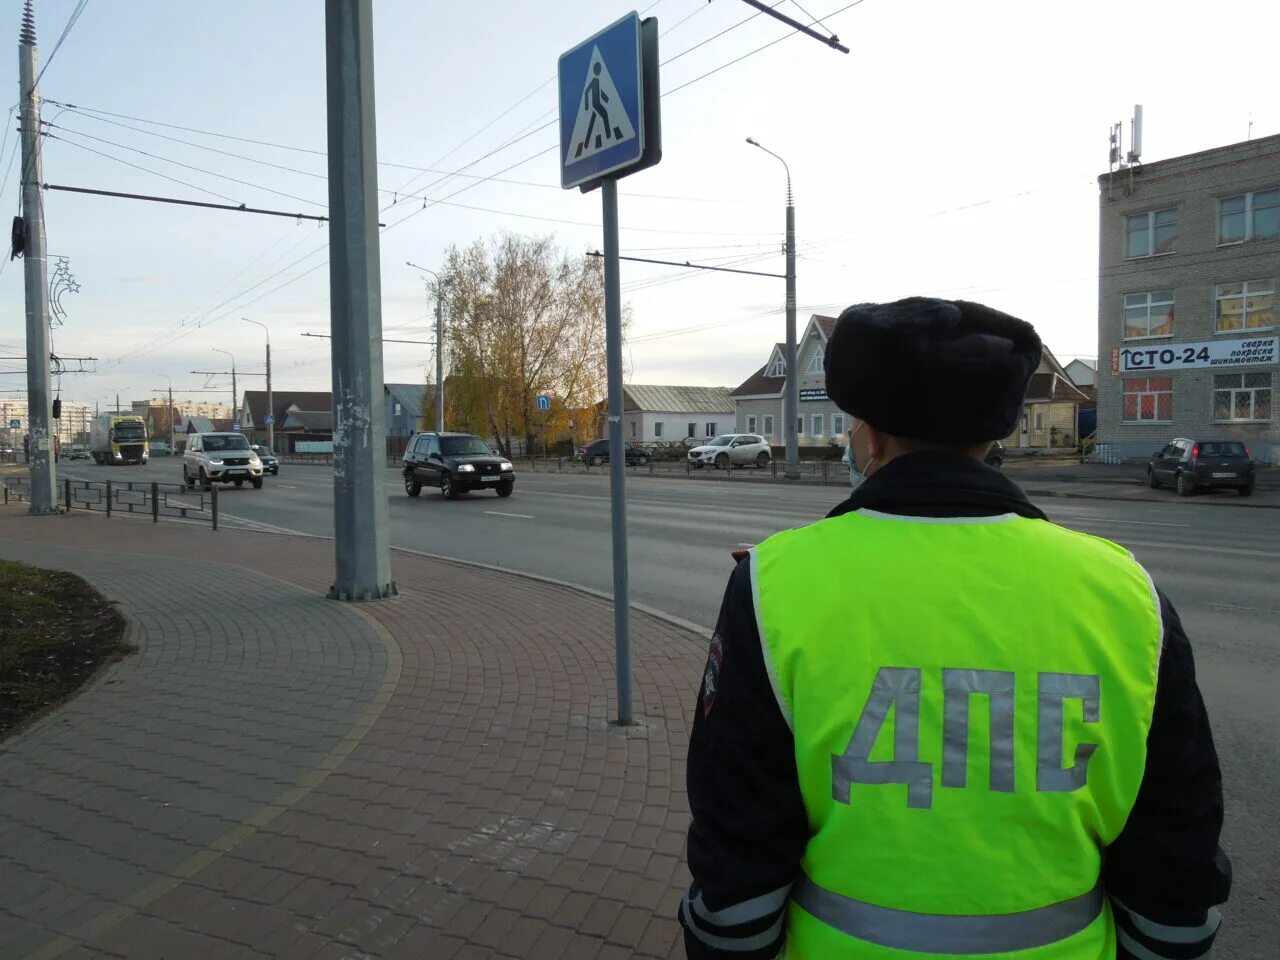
<point x="220" y="458"/>
<point x="732" y="450"/>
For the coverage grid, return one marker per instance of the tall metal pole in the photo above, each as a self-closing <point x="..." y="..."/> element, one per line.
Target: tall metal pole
<point x="791" y="388"/>
<point x="617" y="453"/>
<point x="234" y="399"/>
<point x="791" y="399"/>
<point x="271" y="406"/>
<point x="172" y="449"/>
<point x="439" y="294"/>
<point x="362" y="568"/>
<point x="40" y="459"/>
<point x="439" y="360"/>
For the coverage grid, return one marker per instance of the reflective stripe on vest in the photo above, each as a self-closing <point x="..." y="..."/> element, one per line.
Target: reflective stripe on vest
<point x="970" y="703"/>
<point x="937" y="933"/>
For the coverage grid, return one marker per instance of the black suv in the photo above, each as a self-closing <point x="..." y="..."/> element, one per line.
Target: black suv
<point x="270" y="462"/>
<point x="597" y="452"/>
<point x="1192" y="465"/>
<point x="457" y="463"/>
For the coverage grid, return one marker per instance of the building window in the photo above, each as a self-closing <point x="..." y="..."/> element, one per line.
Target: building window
<point x="768" y="425"/>
<point x="693" y="431"/>
<point x="657" y="429"/>
<point x="395" y="409"/>
<point x="1242" y="396"/>
<point x="779" y="368"/>
<point x="751" y="424"/>
<point x="815" y="362"/>
<point x="837" y="424"/>
<point x="711" y="429"/>
<point x="1148" y="399"/>
<point x="1250" y="305"/>
<point x="1148" y="314"/>
<point x="1250" y="216"/>
<point x="1150" y="234"/>
<point x="800" y="426"/>
<point x="817" y="424"/>
<point x="1039" y="419"/>
<point x="633" y="429"/>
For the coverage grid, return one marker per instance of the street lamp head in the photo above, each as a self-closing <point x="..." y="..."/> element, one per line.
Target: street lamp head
<point x="751" y="141"/>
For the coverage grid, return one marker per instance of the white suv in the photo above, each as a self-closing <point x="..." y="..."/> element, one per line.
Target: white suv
<point x="732" y="450"/>
<point x="220" y="458"/>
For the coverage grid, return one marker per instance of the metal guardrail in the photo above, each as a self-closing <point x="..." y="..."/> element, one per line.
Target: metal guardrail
<point x="143" y="498"/>
<point x="832" y="472"/>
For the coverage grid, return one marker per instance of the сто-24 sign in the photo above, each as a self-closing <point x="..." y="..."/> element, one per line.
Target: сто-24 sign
<point x="1208" y="353"/>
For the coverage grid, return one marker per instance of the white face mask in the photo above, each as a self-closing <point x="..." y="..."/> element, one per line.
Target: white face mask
<point x="856" y="477"/>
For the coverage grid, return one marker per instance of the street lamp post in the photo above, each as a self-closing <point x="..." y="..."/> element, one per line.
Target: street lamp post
<point x="791" y="392"/>
<point x="439" y="344"/>
<point x="172" y="449"/>
<point x="234" y="396"/>
<point x="271" y="407"/>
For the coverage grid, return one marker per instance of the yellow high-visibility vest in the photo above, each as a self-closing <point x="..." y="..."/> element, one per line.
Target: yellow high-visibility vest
<point x="970" y="700"/>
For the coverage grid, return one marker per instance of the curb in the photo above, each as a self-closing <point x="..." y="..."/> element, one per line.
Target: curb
<point x="1062" y="494"/>
<point x="679" y="623"/>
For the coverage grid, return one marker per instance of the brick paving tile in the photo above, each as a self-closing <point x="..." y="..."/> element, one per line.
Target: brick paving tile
<point x="388" y="780"/>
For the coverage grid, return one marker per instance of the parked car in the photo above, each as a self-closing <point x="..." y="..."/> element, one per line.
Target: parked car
<point x="455" y="463"/>
<point x="597" y="452"/>
<point x="1191" y="465"/>
<point x="995" y="456"/>
<point x="732" y="450"/>
<point x="270" y="462"/>
<point x="220" y="458"/>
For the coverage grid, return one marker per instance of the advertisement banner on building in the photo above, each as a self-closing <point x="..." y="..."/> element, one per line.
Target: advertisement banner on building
<point x="813" y="393"/>
<point x="1207" y="353"/>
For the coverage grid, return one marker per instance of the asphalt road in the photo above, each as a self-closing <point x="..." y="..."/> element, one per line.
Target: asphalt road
<point x="1219" y="564"/>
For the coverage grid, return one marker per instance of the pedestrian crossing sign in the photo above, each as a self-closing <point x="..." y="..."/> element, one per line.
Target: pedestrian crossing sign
<point x="602" y="103"/>
<point x="598" y="127"/>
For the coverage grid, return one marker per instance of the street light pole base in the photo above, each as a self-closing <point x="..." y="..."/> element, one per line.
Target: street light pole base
<point x="346" y="595"/>
<point x="791" y="475"/>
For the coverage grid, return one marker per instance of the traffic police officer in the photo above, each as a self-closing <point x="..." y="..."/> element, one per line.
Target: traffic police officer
<point x="935" y="724"/>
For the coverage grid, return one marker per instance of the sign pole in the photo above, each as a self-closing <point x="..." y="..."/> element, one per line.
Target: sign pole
<point x="617" y="455"/>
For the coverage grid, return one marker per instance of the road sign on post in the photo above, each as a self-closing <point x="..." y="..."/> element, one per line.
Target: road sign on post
<point x="15" y="424"/>
<point x="610" y="126"/>
<point x="268" y="419"/>
<point x="544" y="402"/>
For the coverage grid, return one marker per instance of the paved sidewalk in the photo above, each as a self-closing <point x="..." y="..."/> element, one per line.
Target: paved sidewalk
<point x="278" y="775"/>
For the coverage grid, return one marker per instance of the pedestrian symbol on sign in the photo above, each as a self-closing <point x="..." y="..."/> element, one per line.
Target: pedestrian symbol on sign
<point x="544" y="402"/>
<point x="602" y="122"/>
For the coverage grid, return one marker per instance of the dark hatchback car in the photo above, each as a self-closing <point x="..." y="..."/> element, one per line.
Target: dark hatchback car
<point x="1191" y="465"/>
<point x="597" y="452"/>
<point x="270" y="462"/>
<point x="456" y="463"/>
<point x="995" y="456"/>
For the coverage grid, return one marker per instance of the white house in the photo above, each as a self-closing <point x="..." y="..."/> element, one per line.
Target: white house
<point x="665" y="414"/>
<point x="758" y="399"/>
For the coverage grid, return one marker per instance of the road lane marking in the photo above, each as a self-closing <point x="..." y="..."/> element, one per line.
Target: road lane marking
<point x="518" y="516"/>
<point x="1236" y="606"/>
<point x="1089" y="518"/>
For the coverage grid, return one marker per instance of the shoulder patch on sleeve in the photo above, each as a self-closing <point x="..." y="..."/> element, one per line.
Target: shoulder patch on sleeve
<point x="711" y="678"/>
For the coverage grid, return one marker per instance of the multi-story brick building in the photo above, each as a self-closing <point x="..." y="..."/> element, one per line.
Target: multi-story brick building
<point x="1187" y="337"/>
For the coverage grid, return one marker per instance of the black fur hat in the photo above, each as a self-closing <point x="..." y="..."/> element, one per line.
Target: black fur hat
<point x="943" y="370"/>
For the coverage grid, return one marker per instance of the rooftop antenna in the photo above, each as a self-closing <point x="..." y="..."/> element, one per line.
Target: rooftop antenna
<point x="1135" y="142"/>
<point x="1115" y="157"/>
<point x="1135" y="136"/>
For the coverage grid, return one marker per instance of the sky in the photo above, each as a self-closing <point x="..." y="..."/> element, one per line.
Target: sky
<point x="954" y="152"/>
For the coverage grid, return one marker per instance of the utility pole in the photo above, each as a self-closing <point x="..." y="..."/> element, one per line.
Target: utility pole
<point x="439" y="360"/>
<point x="271" y="406"/>
<point x="40" y="459"/>
<point x="791" y="388"/>
<point x="235" y="398"/>
<point x="439" y="344"/>
<point x="362" y="567"/>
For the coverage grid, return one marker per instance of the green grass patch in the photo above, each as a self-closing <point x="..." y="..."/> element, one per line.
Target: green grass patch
<point x="55" y="632"/>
